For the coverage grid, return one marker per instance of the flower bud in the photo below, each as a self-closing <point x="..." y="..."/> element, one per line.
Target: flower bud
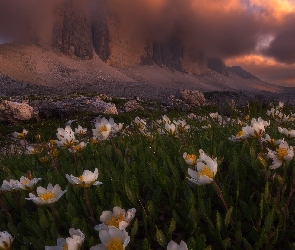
<point x="261" y="162"/>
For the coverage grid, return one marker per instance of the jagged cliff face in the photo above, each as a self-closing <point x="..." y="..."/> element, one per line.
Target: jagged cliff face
<point x="82" y="27"/>
<point x="72" y="30"/>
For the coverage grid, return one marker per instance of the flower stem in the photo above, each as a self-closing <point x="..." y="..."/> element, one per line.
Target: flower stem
<point x="6" y="212"/>
<point x="53" y="216"/>
<point x="219" y="192"/>
<point x="89" y="205"/>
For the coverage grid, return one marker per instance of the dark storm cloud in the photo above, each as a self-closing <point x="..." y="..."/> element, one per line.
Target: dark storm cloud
<point x="282" y="48"/>
<point x="221" y="28"/>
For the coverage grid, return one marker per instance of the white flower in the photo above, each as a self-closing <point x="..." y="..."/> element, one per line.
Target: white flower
<point x="67" y="131"/>
<point x="270" y="141"/>
<point x="21" y="135"/>
<point x="71" y="243"/>
<point x="102" y="129"/>
<point x="174" y="246"/>
<point x="47" y="196"/>
<point x="86" y="180"/>
<point x="119" y="218"/>
<point x="283" y="153"/>
<point x="281" y="105"/>
<point x="242" y="135"/>
<point x="27" y="184"/>
<point x="11" y="186"/>
<point x="78" y="147"/>
<point x="115" y="127"/>
<point x="206" y="170"/>
<point x="181" y="126"/>
<point x="5" y="240"/>
<point x="66" y="137"/>
<point x="80" y="130"/>
<point x="32" y="150"/>
<point x="112" y="238"/>
<point x="170" y="128"/>
<point x="286" y="132"/>
<point x="140" y="124"/>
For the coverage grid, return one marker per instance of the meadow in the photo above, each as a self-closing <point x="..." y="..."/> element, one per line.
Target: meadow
<point x="151" y="179"/>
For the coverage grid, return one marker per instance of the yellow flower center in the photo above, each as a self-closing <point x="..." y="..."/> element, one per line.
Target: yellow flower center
<point x="80" y="178"/>
<point x="206" y="172"/>
<point x="44" y="159"/>
<point x="103" y="129"/>
<point x="22" y="135"/>
<point x="291" y="119"/>
<point x="55" y="152"/>
<point x="115" y="220"/>
<point x="281" y="153"/>
<point x="25" y="182"/>
<point x="65" y="247"/>
<point x="115" y="244"/>
<point x="241" y="133"/>
<point x="191" y="157"/>
<point x="46" y="196"/>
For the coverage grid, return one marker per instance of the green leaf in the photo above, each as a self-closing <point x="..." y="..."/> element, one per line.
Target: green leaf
<point x="145" y="244"/>
<point x="218" y="221"/>
<point x="172" y="227"/>
<point x="226" y="243"/>
<point x="191" y="244"/>
<point x="161" y="238"/>
<point x="200" y="242"/>
<point x="134" y="229"/>
<point x="228" y="216"/>
<point x="43" y="222"/>
<point x="246" y="244"/>
<point x="130" y="194"/>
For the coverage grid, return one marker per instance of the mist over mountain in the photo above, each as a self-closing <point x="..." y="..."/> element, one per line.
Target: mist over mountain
<point x="87" y="42"/>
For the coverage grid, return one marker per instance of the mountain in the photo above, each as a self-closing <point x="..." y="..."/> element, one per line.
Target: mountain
<point x="89" y="43"/>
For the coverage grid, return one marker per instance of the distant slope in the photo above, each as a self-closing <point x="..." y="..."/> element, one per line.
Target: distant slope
<point x="38" y="66"/>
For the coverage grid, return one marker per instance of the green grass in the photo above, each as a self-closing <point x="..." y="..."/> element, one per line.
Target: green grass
<point x="150" y="175"/>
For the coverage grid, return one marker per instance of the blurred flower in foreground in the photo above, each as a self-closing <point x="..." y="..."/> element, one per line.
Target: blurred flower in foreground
<point x="5" y="240"/>
<point x="47" y="196"/>
<point x="71" y="243"/>
<point x="21" y="135"/>
<point x="206" y="170"/>
<point x="85" y="180"/>
<point x="283" y="153"/>
<point x="11" y="186"/>
<point x="27" y="184"/>
<point x="119" y="218"/>
<point x="112" y="238"/>
<point x="172" y="245"/>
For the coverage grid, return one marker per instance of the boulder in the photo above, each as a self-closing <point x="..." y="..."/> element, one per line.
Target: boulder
<point x="132" y="105"/>
<point x="193" y="98"/>
<point x="15" y="112"/>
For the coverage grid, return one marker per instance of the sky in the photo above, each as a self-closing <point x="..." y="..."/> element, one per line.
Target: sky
<point x="258" y="35"/>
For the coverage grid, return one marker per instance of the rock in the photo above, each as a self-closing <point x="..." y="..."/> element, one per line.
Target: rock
<point x="99" y="106"/>
<point x="71" y="106"/>
<point x="193" y="98"/>
<point x="132" y="105"/>
<point x="14" y="112"/>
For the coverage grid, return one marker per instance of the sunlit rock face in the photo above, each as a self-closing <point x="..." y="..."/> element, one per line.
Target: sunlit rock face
<point x="72" y="29"/>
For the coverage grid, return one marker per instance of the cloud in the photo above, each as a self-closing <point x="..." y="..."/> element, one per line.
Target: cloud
<point x="267" y="69"/>
<point x="282" y="47"/>
<point x="220" y="28"/>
